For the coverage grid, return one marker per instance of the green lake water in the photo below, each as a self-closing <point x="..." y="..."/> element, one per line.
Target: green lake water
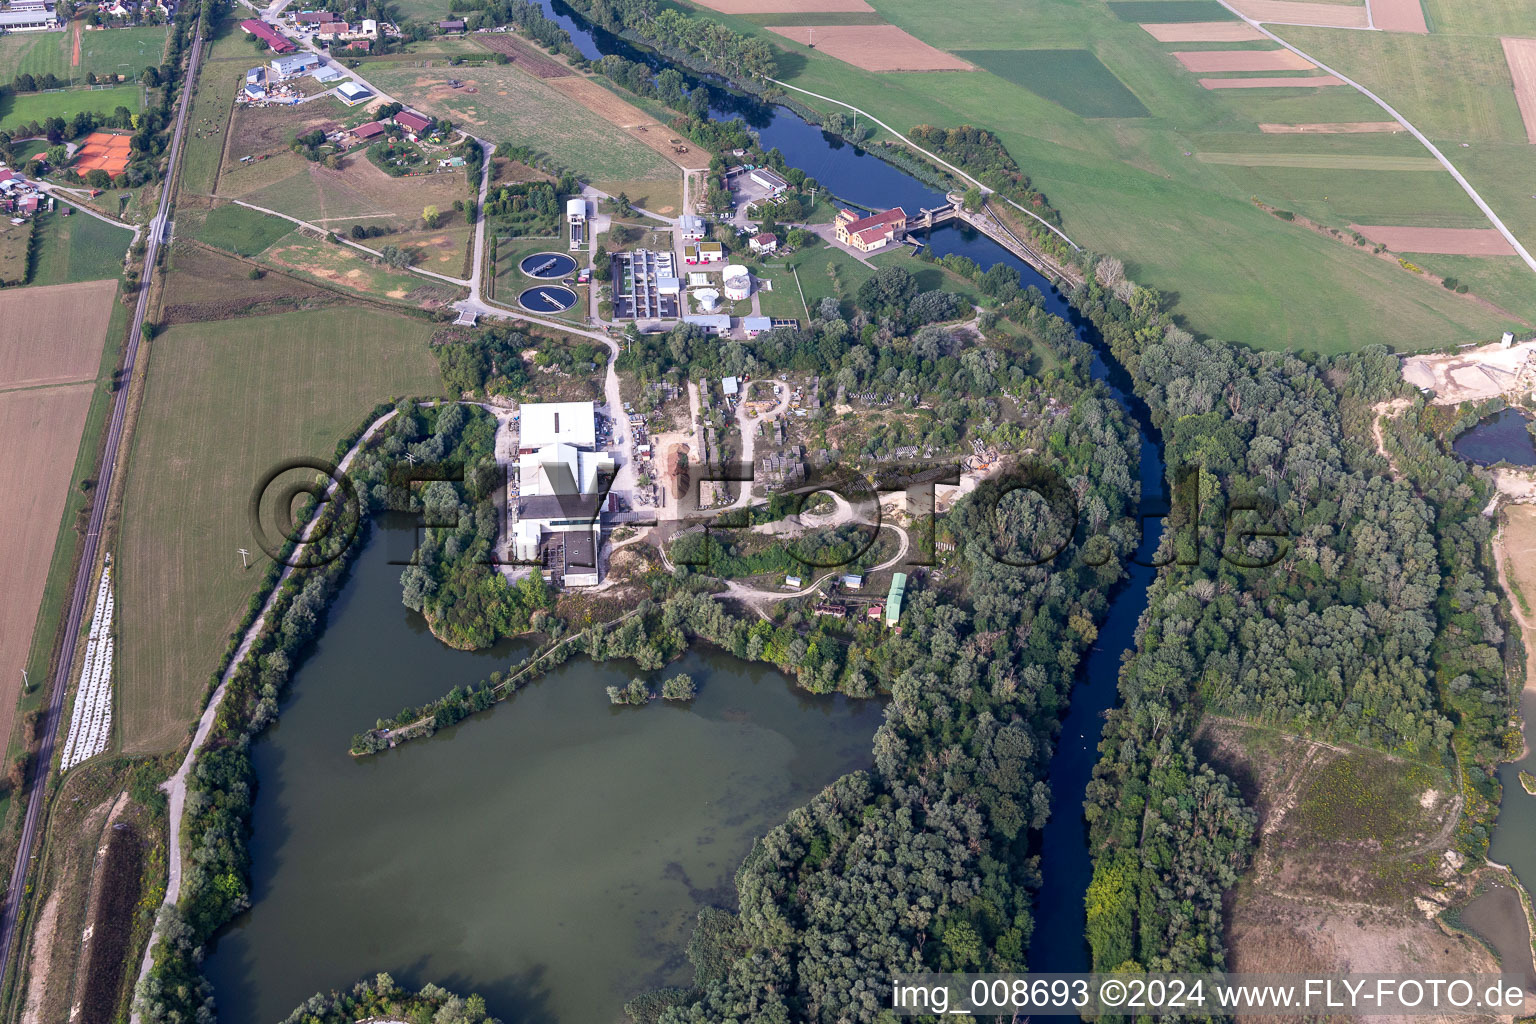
<point x="550" y="854"/>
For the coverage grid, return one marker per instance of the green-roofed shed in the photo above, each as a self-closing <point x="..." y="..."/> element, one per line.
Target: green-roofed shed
<point x="893" y="599"/>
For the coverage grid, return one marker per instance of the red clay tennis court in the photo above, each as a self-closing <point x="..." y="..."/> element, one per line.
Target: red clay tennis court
<point x="103" y="151"/>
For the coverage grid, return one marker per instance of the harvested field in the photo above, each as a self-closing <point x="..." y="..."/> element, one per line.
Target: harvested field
<point x="640" y="125"/>
<point x="259" y="132"/>
<point x="1299" y="12"/>
<point x="785" y="6"/>
<point x="1520" y="54"/>
<point x="1341" y="128"/>
<point x="1203" y="32"/>
<point x="873" y="47"/>
<point x="1449" y="241"/>
<point x="524" y="55"/>
<point x="1299" y="82"/>
<point x="42" y="428"/>
<point x="1242" y="60"/>
<point x="53" y="335"/>
<point x="1399" y="16"/>
<point x="356" y="193"/>
<point x="208" y="285"/>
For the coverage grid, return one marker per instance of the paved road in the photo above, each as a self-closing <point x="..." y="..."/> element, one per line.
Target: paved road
<point x="37" y="792"/>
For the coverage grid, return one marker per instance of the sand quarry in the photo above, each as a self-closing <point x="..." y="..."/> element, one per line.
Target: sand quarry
<point x="1474" y="374"/>
<point x="872" y="47"/>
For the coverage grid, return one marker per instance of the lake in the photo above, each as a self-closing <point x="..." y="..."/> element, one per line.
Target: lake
<point x="551" y="854"/>
<point x="1502" y="437"/>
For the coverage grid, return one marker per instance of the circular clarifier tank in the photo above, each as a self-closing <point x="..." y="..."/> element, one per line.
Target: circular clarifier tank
<point x="547" y="299"/>
<point x="547" y="266"/>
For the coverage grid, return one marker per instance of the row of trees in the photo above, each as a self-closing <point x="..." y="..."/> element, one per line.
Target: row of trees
<point x="706" y="44"/>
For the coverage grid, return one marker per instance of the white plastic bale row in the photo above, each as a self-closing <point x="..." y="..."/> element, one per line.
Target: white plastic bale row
<point x="90" y="724"/>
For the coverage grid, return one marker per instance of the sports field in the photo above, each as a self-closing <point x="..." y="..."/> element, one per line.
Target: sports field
<point x="22" y="108"/>
<point x="118" y="51"/>
<point x="50" y="354"/>
<point x="512" y="106"/>
<point x="204" y="438"/>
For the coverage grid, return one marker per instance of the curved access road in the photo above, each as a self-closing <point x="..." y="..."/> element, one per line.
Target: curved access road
<point x="1466" y="186"/>
<point x="85" y="571"/>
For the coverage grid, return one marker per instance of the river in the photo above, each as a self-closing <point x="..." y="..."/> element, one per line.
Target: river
<point x="517" y="851"/>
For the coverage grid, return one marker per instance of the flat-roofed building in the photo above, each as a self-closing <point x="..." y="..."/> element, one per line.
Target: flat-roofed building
<point x="544" y="423"/>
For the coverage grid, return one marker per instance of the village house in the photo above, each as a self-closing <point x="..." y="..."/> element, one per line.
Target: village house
<point x="414" y="124"/>
<point x="454" y="25"/>
<point x="868" y="234"/>
<point x="763" y="242"/>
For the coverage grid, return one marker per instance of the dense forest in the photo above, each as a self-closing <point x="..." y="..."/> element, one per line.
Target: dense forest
<point x="1364" y="618"/>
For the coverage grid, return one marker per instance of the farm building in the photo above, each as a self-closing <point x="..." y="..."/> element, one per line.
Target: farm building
<point x="30" y="19"/>
<point x="455" y="25"/>
<point x="331" y="30"/>
<point x="756" y="325"/>
<point x="730" y="386"/>
<point x="317" y="17"/>
<point x="764" y="242"/>
<point x="267" y="34"/>
<point x="294" y="65"/>
<point x="326" y="73"/>
<point x="370" y="130"/>
<point x="544" y="423"/>
<point x="876" y="231"/>
<point x="412" y="121"/>
<point x="692" y="227"/>
<point x="769" y="180"/>
<point x="738" y="283"/>
<point x="893" y="599"/>
<point x="717" y="323"/>
<point x="352" y="93"/>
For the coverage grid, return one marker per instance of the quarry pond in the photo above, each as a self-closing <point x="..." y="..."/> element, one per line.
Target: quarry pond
<point x="522" y="850"/>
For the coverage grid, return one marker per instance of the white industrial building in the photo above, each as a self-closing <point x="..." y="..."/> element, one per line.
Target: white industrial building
<point x="30" y="18"/>
<point x="561" y="485"/>
<point x="353" y="93"/>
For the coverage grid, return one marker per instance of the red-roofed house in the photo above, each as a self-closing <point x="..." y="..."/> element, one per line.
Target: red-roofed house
<point x="371" y="130"/>
<point x="316" y="17"/>
<point x="765" y="242"/>
<point x="332" y="29"/>
<point x="261" y="30"/>
<point x="412" y="121"/>
<point x="867" y="234"/>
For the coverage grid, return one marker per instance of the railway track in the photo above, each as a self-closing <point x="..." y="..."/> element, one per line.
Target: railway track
<point x="90" y="550"/>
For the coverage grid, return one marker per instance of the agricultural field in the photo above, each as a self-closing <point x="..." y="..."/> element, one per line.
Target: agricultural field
<point x="209" y="436"/>
<point x="14" y="241"/>
<point x="1076" y="79"/>
<point x="79" y="248"/>
<point x="343" y="267"/>
<point x="204" y="284"/>
<point x="208" y="122"/>
<point x="46" y="389"/>
<point x="509" y="105"/>
<point x="23" y="108"/>
<point x="1132" y="186"/>
<point x="242" y="231"/>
